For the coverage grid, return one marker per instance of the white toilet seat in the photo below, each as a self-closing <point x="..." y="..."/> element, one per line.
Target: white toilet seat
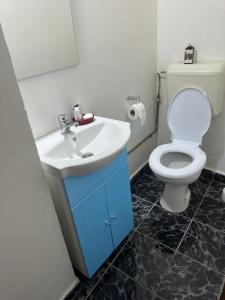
<point x="198" y="156"/>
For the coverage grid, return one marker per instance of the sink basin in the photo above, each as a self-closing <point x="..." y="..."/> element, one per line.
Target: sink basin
<point x="96" y="145"/>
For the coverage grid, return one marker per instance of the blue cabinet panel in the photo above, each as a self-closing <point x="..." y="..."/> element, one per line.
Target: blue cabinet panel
<point x="118" y="195"/>
<point x="78" y="187"/>
<point x="91" y="220"/>
<point x="101" y="209"/>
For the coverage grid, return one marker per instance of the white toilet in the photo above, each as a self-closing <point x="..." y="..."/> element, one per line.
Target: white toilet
<point x="196" y="93"/>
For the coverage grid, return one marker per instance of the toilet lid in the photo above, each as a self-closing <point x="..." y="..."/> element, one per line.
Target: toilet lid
<point x="189" y="115"/>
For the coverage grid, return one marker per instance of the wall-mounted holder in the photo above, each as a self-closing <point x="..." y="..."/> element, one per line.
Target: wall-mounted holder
<point x="134" y="98"/>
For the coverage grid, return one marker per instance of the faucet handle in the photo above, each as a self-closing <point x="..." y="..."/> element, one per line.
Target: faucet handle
<point x="64" y="119"/>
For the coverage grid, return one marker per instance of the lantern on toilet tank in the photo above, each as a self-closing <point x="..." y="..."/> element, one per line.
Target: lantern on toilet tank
<point x="189" y="54"/>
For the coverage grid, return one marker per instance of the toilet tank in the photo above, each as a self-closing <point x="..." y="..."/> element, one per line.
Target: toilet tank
<point x="208" y="77"/>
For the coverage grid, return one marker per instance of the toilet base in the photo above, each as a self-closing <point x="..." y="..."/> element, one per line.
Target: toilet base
<point x="176" y="197"/>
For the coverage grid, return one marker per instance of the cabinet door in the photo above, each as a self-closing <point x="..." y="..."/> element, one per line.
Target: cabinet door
<point x="92" y="224"/>
<point x="78" y="187"/>
<point x="119" y="204"/>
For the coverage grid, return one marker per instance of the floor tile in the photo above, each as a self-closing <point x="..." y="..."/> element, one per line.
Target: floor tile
<point x="205" y="245"/>
<point x="80" y="292"/>
<point x="144" y="171"/>
<point x="144" y="260"/>
<point x="140" y="209"/>
<point x="212" y="212"/>
<point x="134" y="179"/>
<point x="219" y="177"/>
<point x="165" y="227"/>
<point x="188" y="280"/>
<point x="85" y="286"/>
<point x="193" y="205"/>
<point x="198" y="187"/>
<point x="206" y="177"/>
<point x="157" y="298"/>
<point x="147" y="171"/>
<point x="148" y="188"/>
<point x="215" y="190"/>
<point x="116" y="285"/>
<point x="121" y="245"/>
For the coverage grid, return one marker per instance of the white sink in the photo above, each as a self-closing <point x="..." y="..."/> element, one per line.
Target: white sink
<point x="104" y="139"/>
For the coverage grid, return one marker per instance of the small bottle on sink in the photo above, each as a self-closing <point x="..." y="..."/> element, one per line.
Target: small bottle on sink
<point x="77" y="113"/>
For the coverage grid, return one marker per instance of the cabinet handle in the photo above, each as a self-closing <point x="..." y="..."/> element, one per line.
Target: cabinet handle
<point x="107" y="222"/>
<point x="114" y="218"/>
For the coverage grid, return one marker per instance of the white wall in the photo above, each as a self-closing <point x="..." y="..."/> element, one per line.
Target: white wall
<point x="33" y="257"/>
<point x="202" y="23"/>
<point x="117" y="52"/>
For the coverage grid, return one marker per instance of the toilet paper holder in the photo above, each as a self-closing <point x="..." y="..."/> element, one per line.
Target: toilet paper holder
<point x="134" y="98"/>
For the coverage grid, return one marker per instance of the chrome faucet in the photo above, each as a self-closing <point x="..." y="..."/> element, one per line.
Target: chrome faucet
<point x="65" y="123"/>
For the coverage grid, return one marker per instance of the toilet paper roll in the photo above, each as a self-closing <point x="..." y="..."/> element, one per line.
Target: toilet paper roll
<point x="136" y="111"/>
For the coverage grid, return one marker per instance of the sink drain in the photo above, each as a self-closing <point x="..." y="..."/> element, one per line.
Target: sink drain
<point x="86" y="155"/>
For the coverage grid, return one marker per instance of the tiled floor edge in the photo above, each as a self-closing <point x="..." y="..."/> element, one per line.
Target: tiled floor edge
<point x="110" y="264"/>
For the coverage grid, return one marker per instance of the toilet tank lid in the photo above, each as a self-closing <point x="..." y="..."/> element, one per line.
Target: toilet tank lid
<point x="211" y="68"/>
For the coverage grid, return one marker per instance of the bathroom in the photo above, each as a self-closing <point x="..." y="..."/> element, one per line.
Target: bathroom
<point x="118" y="49"/>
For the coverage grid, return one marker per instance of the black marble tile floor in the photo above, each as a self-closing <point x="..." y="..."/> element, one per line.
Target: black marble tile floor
<point x="150" y="190"/>
<point x="141" y="208"/>
<point x="164" y="227"/>
<point x="167" y="256"/>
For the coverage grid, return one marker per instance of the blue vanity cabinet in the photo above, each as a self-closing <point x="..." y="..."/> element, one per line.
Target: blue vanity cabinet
<point x="91" y="220"/>
<point x="78" y="187"/>
<point x="101" y="209"/>
<point x="117" y="189"/>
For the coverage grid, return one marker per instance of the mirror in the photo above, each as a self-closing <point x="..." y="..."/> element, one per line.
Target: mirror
<point x="39" y="34"/>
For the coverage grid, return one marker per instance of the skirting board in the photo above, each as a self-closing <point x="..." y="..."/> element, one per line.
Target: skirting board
<point x="217" y="166"/>
<point x="70" y="289"/>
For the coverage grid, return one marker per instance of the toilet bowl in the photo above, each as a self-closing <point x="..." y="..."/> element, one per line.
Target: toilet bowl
<point x="180" y="163"/>
<point x="177" y="165"/>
